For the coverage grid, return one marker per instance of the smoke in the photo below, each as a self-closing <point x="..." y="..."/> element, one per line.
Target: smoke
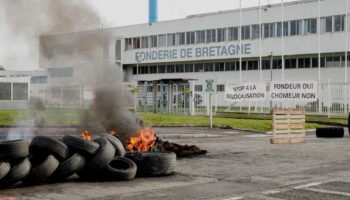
<point x="30" y="19"/>
<point x="22" y="21"/>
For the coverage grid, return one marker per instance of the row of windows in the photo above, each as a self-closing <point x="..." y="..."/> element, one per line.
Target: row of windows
<point x="197" y="88"/>
<point x="290" y="63"/>
<point x="268" y="30"/>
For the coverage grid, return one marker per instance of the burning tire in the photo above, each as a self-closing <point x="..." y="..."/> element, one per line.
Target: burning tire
<point x="118" y="145"/>
<point x="42" y="169"/>
<point x="4" y="169"/>
<point x="80" y="145"/>
<point x="330" y="132"/>
<point x="99" y="161"/>
<point x="44" y="146"/>
<point x="121" y="169"/>
<point x="13" y="149"/>
<point x="153" y="163"/>
<point x="19" y="170"/>
<point x="68" y="167"/>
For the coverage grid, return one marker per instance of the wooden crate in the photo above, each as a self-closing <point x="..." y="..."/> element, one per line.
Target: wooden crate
<point x="288" y="126"/>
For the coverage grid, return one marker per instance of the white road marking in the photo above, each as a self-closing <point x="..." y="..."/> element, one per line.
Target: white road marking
<point x="234" y="198"/>
<point x="309" y="185"/>
<point x="328" y="192"/>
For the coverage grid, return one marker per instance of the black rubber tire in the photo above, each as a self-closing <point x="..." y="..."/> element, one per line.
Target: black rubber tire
<point x="99" y="162"/>
<point x="4" y="169"/>
<point x="68" y="167"/>
<point x="121" y="169"/>
<point x="330" y="132"/>
<point x="13" y="149"/>
<point x="42" y="169"/>
<point x="153" y="163"/>
<point x="80" y="145"/>
<point x="19" y="170"/>
<point x="118" y="145"/>
<point x="43" y="146"/>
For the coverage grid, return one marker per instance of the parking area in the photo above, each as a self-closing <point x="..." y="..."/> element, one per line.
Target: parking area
<point x="239" y="165"/>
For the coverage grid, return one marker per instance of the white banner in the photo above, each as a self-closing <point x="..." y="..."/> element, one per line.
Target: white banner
<point x="248" y="91"/>
<point x="302" y="91"/>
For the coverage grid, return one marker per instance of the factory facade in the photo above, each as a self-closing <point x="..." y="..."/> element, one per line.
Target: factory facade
<point x="296" y="41"/>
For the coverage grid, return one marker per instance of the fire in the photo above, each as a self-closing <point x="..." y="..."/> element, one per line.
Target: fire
<point x="145" y="141"/>
<point x="85" y="135"/>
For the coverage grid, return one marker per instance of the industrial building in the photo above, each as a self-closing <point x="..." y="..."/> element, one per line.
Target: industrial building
<point x="170" y="61"/>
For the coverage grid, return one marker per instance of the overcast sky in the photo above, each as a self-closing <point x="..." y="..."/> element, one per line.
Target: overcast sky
<point x="17" y="53"/>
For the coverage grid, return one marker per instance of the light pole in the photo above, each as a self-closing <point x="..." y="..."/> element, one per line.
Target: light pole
<point x="271" y="63"/>
<point x="137" y="84"/>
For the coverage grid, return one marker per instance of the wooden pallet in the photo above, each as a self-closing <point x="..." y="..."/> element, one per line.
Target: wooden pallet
<point x="288" y="126"/>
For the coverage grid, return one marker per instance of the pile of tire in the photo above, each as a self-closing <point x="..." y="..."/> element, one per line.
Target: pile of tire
<point x="48" y="159"/>
<point x="330" y="132"/>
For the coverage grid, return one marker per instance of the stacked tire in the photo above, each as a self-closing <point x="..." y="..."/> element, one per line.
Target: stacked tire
<point x="14" y="162"/>
<point x="48" y="159"/>
<point x="154" y="163"/>
<point x="330" y="132"/>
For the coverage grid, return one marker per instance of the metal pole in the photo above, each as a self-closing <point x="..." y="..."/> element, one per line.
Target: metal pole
<point x="346" y="41"/>
<point x="271" y="63"/>
<point x="282" y="40"/>
<point x="240" y="40"/>
<point x="260" y="42"/>
<point x="210" y="112"/>
<point x="319" y="53"/>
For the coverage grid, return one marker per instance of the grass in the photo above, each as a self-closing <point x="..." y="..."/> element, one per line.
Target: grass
<point x="253" y="122"/>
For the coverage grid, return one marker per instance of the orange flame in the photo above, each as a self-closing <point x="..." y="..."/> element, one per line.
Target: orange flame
<point x="145" y="141"/>
<point x="85" y="135"/>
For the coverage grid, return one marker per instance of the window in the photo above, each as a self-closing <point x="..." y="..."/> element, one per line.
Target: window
<point x="277" y="64"/>
<point x="161" y="40"/>
<point x="290" y="63"/>
<point x="304" y="63"/>
<point x="296" y="27"/>
<point x="255" y="31"/>
<point x="270" y="30"/>
<point x="5" y="91"/>
<point x="61" y="72"/>
<point x="221" y="34"/>
<point x="190" y="37"/>
<point x="326" y="24"/>
<point x="230" y="66"/>
<point x="161" y="69"/>
<point x="337" y="61"/>
<point x="180" y="38"/>
<point x="200" y="37"/>
<point x="198" y="67"/>
<point x="153" y="41"/>
<point x="244" y="65"/>
<point x="208" y="67"/>
<point x="179" y="68"/>
<point x="170" y="69"/>
<point x="232" y="34"/>
<point x="245" y="32"/>
<point x="128" y="44"/>
<point x="20" y="91"/>
<point x="266" y="64"/>
<point x="253" y="65"/>
<point x="278" y="29"/>
<point x="188" y="67"/>
<point x="144" y="70"/>
<point x="211" y="35"/>
<point x="198" y="88"/>
<point x="171" y="40"/>
<point x="314" y="63"/>
<point x="219" y="67"/>
<point x="285" y="28"/>
<point x="339" y="23"/>
<point x="144" y="42"/>
<point x="153" y="69"/>
<point x="310" y="26"/>
<point x="118" y="50"/>
<point x="134" y="71"/>
<point x="38" y="79"/>
<point x="136" y="43"/>
<point x="220" y="88"/>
